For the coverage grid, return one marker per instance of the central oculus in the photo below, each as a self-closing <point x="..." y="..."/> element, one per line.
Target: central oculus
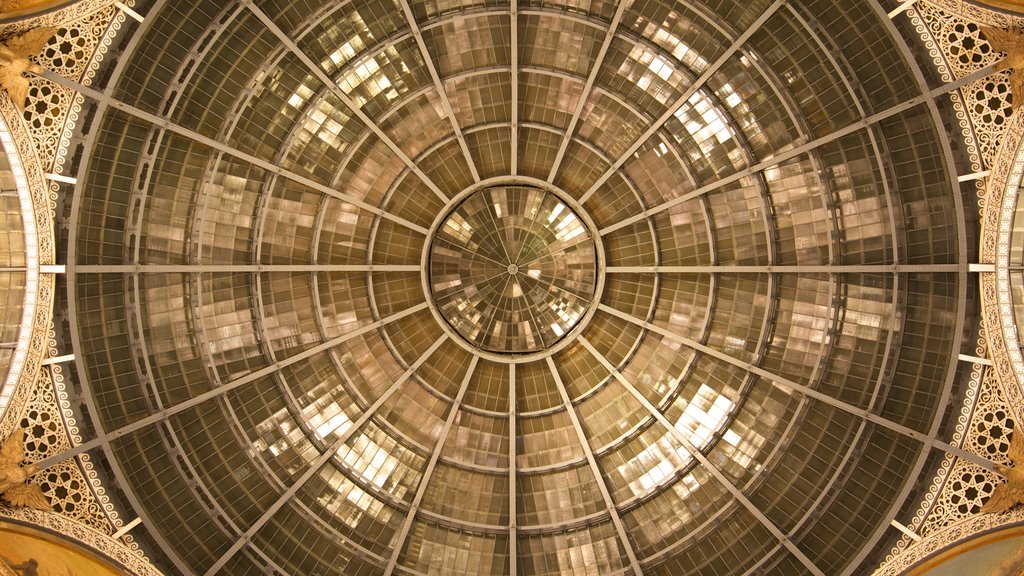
<point x="512" y="269"/>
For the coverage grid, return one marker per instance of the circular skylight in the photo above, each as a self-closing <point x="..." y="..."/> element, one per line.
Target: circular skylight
<point x="512" y="269"/>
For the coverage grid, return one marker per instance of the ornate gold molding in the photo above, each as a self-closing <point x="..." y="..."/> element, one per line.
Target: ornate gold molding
<point x="38" y="141"/>
<point x="29" y="174"/>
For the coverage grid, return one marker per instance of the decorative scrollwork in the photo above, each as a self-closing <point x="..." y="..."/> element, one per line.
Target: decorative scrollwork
<point x="961" y="488"/>
<point x="65" y="484"/>
<point x="128" y="559"/>
<point x="997" y="221"/>
<point x="42" y="135"/>
<point x="74" y="12"/>
<point x="74" y="52"/>
<point x="44" y="202"/>
<point x="945" y="537"/>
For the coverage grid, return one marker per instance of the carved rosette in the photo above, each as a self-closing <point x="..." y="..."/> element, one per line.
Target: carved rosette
<point x="949" y="30"/>
<point x="948" y="513"/>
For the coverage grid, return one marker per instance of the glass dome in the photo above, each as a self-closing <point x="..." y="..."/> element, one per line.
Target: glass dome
<point x="550" y="287"/>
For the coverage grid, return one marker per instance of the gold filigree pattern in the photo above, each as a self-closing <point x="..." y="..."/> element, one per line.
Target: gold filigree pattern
<point x="42" y="137"/>
<point x="64" y="483"/>
<point x="74" y="52"/>
<point x="43" y="205"/>
<point x="1001" y="200"/>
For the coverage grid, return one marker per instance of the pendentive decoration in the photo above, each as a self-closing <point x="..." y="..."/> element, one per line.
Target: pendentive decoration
<point x="14" y="62"/>
<point x="1010" y="42"/>
<point x="1011" y="492"/>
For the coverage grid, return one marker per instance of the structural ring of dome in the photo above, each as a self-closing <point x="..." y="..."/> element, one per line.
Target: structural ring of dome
<point x="511" y="269"/>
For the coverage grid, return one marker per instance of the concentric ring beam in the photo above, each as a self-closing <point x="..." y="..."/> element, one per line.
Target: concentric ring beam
<point x="106" y="436"/>
<point x="802" y="389"/>
<point x="784" y="269"/>
<point x="170" y="437"/>
<point x="595" y="69"/>
<point x="235" y="268"/>
<point x="428" y="472"/>
<point x="321" y="460"/>
<point x="690" y="91"/>
<point x="794" y="152"/>
<point x="598" y="477"/>
<point x="317" y="71"/>
<point x="961" y="312"/>
<point x="700" y="457"/>
<point x="428" y="60"/>
<point x="160" y="122"/>
<point x="76" y="202"/>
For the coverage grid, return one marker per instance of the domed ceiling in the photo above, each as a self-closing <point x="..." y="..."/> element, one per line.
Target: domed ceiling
<point x="442" y="287"/>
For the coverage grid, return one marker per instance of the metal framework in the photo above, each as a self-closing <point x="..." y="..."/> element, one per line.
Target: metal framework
<point x="435" y="455"/>
<point x="321" y="460"/>
<point x="679" y="102"/>
<point x="781" y="157"/>
<point x="584" y="96"/>
<point x="104" y="438"/>
<point x="707" y="464"/>
<point x="441" y="92"/>
<point x="595" y="469"/>
<point x="866" y="416"/>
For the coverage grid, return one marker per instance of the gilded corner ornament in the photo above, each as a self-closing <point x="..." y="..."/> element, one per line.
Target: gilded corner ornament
<point x="1010" y="42"/>
<point x="13" y="487"/>
<point x="1011" y="492"/>
<point x="14" y="62"/>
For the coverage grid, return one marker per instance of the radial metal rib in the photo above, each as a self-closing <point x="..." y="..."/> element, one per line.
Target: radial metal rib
<point x="435" y="455"/>
<point x="602" y="485"/>
<point x="321" y="460"/>
<point x="221" y="147"/>
<point x="321" y="75"/>
<point x="794" y="152"/>
<point x="595" y="69"/>
<point x="410" y="19"/>
<point x="700" y="457"/>
<point x="690" y="91"/>
<point x="157" y="417"/>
